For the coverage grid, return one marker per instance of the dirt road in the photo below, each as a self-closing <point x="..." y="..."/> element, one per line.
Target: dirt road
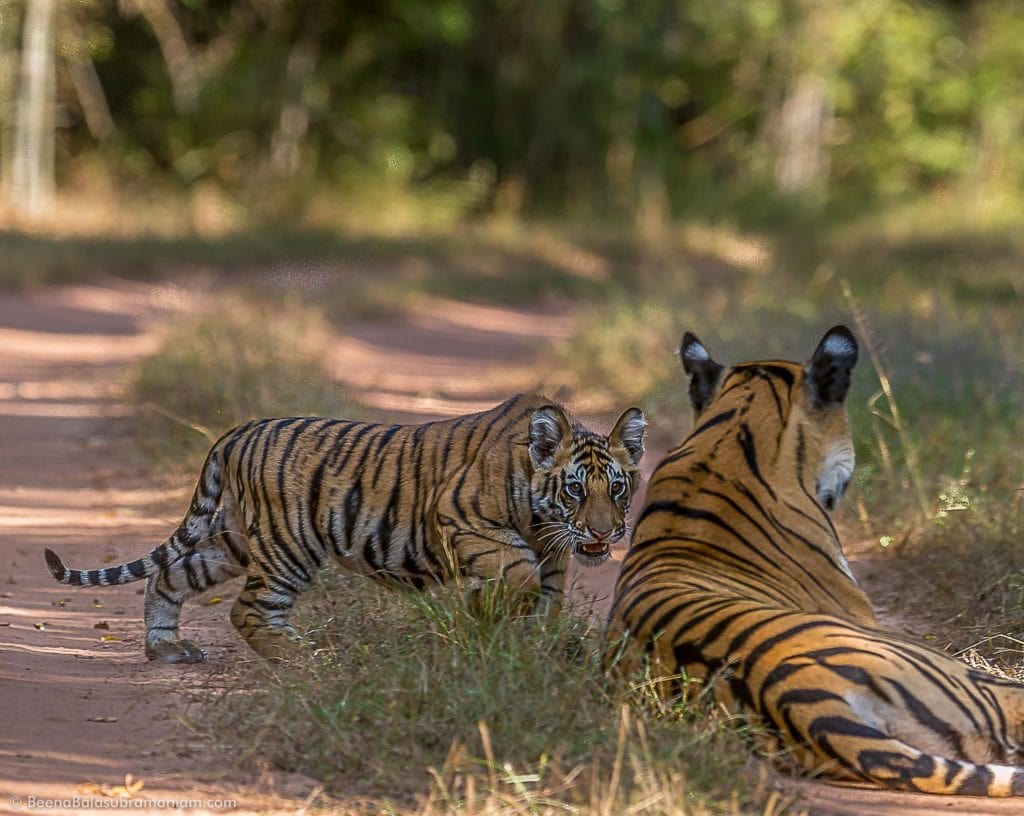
<point x="80" y="708"/>
<point x="74" y="707"/>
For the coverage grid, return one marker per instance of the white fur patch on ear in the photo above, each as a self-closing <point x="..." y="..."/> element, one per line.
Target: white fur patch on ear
<point x="696" y="352"/>
<point x="839" y="345"/>
<point x="831" y="366"/>
<point x="702" y="370"/>
<point x="693" y="354"/>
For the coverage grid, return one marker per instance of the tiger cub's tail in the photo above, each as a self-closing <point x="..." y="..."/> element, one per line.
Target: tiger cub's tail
<point x="109" y="576"/>
<point x="199" y="524"/>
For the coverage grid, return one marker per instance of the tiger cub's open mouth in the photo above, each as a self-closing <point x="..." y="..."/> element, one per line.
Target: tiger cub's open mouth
<point x="592" y="553"/>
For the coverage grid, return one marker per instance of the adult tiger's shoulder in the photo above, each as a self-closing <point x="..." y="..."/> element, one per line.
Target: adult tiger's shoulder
<point x="503" y="495"/>
<point x="736" y="578"/>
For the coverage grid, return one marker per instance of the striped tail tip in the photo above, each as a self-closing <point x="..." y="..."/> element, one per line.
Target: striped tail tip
<point x="55" y="565"/>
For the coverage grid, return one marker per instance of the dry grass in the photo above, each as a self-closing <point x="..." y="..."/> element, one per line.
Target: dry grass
<point x="348" y="273"/>
<point x="958" y="582"/>
<point x="238" y="359"/>
<point x="409" y="703"/>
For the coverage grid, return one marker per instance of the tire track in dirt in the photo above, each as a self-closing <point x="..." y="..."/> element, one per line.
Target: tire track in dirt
<point x="75" y="707"/>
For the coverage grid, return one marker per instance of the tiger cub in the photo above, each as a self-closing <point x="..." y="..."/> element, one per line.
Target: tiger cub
<point x="736" y="579"/>
<point x="503" y="495"/>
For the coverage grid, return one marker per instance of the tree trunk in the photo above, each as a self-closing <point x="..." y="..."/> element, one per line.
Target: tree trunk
<point x="175" y="49"/>
<point x="87" y="82"/>
<point x="293" y="120"/>
<point x="802" y="160"/>
<point x="32" y="182"/>
<point x="801" y="110"/>
<point x="9" y="20"/>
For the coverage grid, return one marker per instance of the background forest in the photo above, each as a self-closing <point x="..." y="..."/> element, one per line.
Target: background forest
<point x="408" y="114"/>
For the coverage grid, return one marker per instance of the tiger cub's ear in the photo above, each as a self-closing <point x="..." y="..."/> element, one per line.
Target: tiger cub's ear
<point x="704" y="372"/>
<point x="828" y="372"/>
<point x="549" y="428"/>
<point x="629" y="433"/>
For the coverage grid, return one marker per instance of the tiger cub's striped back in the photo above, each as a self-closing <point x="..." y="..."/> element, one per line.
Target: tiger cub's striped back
<point x="505" y="495"/>
<point x="736" y="578"/>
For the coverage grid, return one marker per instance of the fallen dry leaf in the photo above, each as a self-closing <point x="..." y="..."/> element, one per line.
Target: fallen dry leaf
<point x="216" y="599"/>
<point x="130" y="787"/>
<point x="101" y="625"/>
<point x="108" y="638"/>
<point x="127" y="790"/>
<point x="40" y="625"/>
<point x="96" y="603"/>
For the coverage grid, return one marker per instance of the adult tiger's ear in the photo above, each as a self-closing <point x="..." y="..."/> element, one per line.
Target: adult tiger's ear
<point x="629" y="433"/>
<point x="549" y="428"/>
<point x="828" y="372"/>
<point x="704" y="372"/>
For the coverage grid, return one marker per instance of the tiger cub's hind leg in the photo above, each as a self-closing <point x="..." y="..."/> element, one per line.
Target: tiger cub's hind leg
<point x="218" y="555"/>
<point x="261" y="615"/>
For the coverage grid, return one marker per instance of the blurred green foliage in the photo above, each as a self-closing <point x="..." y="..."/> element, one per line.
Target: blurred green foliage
<point x="586" y="109"/>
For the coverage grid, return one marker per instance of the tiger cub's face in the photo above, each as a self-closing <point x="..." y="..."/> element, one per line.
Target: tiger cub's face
<point x="582" y="482"/>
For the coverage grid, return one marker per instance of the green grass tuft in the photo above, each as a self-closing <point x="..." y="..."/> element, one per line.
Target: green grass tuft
<point x="406" y="698"/>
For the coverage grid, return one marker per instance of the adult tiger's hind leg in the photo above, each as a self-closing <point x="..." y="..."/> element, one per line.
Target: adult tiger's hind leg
<point x="216" y="553"/>
<point x="1008" y="698"/>
<point x="833" y="737"/>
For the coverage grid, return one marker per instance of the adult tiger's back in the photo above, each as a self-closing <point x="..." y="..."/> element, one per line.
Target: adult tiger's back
<point x="736" y="578"/>
<point x="502" y="495"/>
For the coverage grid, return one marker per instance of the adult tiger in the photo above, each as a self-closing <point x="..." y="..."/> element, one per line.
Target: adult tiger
<point x="736" y="578"/>
<point x="502" y="495"/>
